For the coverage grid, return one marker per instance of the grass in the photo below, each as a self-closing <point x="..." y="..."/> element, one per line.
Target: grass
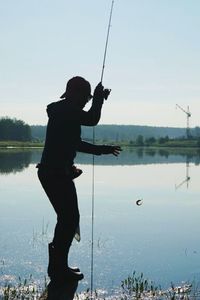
<point x="25" y="289"/>
<point x="139" y="287"/>
<point x="134" y="287"/>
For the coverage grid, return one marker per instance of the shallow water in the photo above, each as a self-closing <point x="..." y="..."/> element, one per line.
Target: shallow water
<point x="159" y="238"/>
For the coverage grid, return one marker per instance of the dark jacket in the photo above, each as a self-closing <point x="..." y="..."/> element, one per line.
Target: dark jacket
<point x="63" y="135"/>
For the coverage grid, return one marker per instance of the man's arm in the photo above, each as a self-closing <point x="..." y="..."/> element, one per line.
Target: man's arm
<point x="92" y="116"/>
<point x="98" y="149"/>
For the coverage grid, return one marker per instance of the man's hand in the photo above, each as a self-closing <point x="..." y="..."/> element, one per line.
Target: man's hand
<point x="100" y="93"/>
<point x="115" y="150"/>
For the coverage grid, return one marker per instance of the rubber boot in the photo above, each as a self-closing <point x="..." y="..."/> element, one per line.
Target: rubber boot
<point x="57" y="269"/>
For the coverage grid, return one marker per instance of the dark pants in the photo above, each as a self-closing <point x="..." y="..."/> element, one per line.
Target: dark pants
<point x="61" y="192"/>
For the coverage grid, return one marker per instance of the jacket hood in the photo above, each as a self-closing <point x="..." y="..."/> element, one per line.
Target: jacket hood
<point x="54" y="108"/>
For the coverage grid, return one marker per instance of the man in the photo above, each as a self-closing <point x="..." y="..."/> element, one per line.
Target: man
<point x="56" y="170"/>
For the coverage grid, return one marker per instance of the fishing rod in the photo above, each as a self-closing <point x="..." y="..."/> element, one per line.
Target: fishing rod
<point x="107" y="38"/>
<point x="106" y="94"/>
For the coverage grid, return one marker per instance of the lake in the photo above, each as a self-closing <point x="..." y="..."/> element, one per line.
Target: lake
<point x="159" y="238"/>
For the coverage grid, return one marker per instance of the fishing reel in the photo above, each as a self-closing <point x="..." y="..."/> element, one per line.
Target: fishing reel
<point x="106" y="93"/>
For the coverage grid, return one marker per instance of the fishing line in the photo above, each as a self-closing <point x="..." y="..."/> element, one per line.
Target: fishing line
<point x="93" y="162"/>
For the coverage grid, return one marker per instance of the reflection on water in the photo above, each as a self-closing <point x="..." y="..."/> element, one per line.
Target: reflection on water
<point x="158" y="238"/>
<point x="187" y="177"/>
<point x="16" y="160"/>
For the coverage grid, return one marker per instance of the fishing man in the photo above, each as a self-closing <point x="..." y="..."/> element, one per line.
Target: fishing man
<point x="56" y="170"/>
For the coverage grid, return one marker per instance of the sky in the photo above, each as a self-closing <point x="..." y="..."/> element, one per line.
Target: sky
<point x="152" y="63"/>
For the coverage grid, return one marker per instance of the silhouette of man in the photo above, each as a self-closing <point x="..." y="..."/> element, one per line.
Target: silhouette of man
<point x="56" y="170"/>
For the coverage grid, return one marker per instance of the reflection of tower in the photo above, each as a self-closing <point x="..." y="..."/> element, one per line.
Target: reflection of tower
<point x="188" y="113"/>
<point x="187" y="179"/>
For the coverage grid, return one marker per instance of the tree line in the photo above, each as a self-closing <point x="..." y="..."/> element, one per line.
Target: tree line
<point x="14" y="130"/>
<point x="123" y="133"/>
<point x="17" y="130"/>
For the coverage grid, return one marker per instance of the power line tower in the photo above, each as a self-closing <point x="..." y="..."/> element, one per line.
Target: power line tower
<point x="188" y="114"/>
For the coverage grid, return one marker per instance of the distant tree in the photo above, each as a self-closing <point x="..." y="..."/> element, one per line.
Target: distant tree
<point x="166" y="138"/>
<point x="14" y="130"/>
<point x="198" y="142"/>
<point x="140" y="140"/>
<point x="150" y="141"/>
<point x="38" y="132"/>
<point x="163" y="140"/>
<point x="197" y="131"/>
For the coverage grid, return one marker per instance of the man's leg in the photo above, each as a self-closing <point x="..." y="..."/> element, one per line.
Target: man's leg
<point x="62" y="195"/>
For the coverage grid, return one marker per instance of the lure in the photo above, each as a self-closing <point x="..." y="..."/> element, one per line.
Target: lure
<point x="139" y="202"/>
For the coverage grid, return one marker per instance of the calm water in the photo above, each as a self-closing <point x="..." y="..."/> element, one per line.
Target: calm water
<point x="159" y="238"/>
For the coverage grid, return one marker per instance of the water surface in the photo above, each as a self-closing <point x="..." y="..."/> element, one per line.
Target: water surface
<point x="159" y="238"/>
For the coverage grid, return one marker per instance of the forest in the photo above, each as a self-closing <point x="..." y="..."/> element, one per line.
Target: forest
<point x="14" y="130"/>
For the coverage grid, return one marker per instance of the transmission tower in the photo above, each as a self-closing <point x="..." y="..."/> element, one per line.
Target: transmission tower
<point x="188" y="114"/>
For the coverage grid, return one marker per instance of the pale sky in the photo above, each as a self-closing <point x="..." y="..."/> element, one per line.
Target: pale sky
<point x="153" y="58"/>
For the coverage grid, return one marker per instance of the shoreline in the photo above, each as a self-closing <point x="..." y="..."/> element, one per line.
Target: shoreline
<point x="172" y="145"/>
